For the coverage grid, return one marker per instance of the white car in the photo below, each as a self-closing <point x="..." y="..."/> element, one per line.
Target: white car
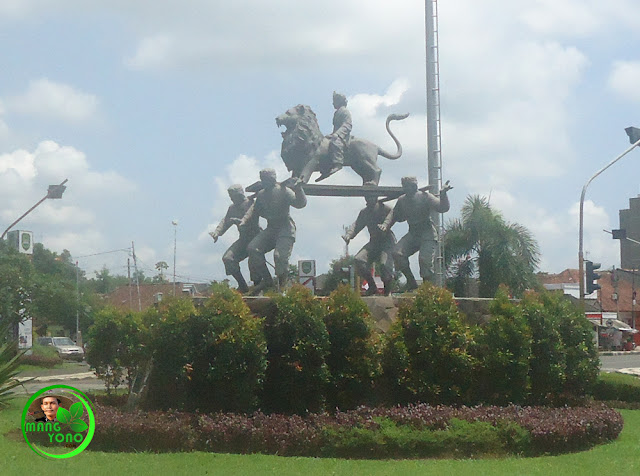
<point x="67" y="349"/>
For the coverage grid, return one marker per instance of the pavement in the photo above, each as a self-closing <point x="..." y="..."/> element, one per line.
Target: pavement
<point x="76" y="371"/>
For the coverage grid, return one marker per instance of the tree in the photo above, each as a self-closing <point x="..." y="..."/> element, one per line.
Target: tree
<point x="482" y="244"/>
<point x="16" y="273"/>
<point x="160" y="266"/>
<point x="335" y="275"/>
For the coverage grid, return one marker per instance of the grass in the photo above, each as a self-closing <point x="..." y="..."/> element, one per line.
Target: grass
<point x="622" y="379"/>
<point x="17" y="458"/>
<point x="32" y="370"/>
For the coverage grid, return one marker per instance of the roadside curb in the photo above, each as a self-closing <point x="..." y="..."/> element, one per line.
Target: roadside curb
<point x="50" y="378"/>
<point x="620" y="352"/>
<point x="631" y="371"/>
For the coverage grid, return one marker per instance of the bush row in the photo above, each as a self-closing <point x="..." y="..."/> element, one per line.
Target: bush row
<point x="42" y="356"/>
<point x="309" y="355"/>
<point x="618" y="387"/>
<point x="399" y="432"/>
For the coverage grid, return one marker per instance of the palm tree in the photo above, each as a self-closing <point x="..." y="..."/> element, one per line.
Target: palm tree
<point x="482" y="244"/>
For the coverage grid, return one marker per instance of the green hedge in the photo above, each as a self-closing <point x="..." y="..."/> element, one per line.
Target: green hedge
<point x="297" y="375"/>
<point x="309" y="355"/>
<point x="414" y="431"/>
<point x="353" y="354"/>
<point x="42" y="356"/>
<point x="617" y="387"/>
<point x="426" y="356"/>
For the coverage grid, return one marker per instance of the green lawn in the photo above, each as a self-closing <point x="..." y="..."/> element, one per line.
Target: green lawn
<point x="62" y="368"/>
<point x="16" y="458"/>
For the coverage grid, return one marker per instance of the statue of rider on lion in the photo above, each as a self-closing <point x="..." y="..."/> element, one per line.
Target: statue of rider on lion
<point x="306" y="150"/>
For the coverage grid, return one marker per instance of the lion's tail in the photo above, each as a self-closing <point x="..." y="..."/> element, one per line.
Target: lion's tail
<point x="384" y="153"/>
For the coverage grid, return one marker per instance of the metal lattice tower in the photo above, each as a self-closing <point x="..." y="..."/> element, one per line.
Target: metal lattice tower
<point x="434" y="155"/>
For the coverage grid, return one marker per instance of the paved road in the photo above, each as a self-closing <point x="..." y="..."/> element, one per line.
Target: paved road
<point x="86" y="384"/>
<point x="615" y="362"/>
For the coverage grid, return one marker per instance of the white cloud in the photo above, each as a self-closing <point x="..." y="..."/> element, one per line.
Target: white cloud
<point x="624" y="80"/>
<point x="50" y="100"/>
<point x="20" y="163"/>
<point x="73" y="222"/>
<point x="152" y="53"/>
<point x="569" y="17"/>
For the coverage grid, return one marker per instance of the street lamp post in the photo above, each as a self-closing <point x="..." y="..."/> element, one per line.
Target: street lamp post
<point x="54" y="192"/>
<point x="175" y="234"/>
<point x="634" y="138"/>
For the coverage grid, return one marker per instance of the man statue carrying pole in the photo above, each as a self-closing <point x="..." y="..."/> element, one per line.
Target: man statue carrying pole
<point x="415" y="207"/>
<point x="273" y="203"/>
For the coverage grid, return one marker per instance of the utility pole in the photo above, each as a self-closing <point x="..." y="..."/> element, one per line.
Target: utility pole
<point x="78" y="334"/>
<point x="175" y="234"/>
<point x="135" y="269"/>
<point x="129" y="276"/>
<point x="434" y="155"/>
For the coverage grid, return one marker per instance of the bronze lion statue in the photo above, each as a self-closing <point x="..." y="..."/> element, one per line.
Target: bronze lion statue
<point x="305" y="148"/>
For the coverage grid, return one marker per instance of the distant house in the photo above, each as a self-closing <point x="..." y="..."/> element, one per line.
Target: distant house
<point x="126" y="298"/>
<point x="616" y="298"/>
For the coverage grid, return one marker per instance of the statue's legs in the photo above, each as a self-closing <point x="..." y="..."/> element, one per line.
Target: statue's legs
<point x="363" y="268"/>
<point x="264" y="242"/>
<point x="386" y="268"/>
<point x="334" y="159"/>
<point x="281" y="254"/>
<point x="427" y="257"/>
<point x="231" y="259"/>
<point x="406" y="247"/>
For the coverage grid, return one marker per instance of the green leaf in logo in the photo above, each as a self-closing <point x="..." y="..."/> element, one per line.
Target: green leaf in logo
<point x="63" y="415"/>
<point x="79" y="426"/>
<point x="76" y="410"/>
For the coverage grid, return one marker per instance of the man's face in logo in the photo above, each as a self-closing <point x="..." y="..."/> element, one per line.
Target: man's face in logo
<point x="50" y="407"/>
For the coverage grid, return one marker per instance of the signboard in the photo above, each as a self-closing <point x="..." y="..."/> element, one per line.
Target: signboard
<point x="21" y="240"/>
<point x="307" y="268"/>
<point x="25" y="334"/>
<point x="308" y="282"/>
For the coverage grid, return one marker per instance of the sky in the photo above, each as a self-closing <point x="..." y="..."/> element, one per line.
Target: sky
<point x="151" y="109"/>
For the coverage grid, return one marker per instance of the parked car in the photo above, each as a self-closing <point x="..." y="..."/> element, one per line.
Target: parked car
<point x="67" y="349"/>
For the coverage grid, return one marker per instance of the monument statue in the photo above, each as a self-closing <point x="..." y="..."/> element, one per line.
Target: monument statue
<point x="237" y="252"/>
<point x="306" y="150"/>
<point x="339" y="138"/>
<point x="273" y="203"/>
<point x="415" y="207"/>
<point x="380" y="246"/>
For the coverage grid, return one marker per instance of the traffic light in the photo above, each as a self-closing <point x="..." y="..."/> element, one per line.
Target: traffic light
<point x="619" y="234"/>
<point x="345" y="274"/>
<point x="592" y="277"/>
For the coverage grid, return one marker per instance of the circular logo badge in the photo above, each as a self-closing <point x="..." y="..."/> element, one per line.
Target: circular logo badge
<point x="58" y="422"/>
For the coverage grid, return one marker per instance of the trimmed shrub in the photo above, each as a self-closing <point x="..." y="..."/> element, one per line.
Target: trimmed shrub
<point x="460" y="439"/>
<point x="167" y="325"/>
<point x="582" y="363"/>
<point x="547" y="362"/>
<point x="116" y="347"/>
<point x="42" y="356"/>
<point x="617" y="388"/>
<point x="298" y="343"/>
<point x="425" y="357"/>
<point x="352" y="360"/>
<point x="227" y="354"/>
<point x="211" y="359"/>
<point x="502" y="349"/>
<point x="415" y="431"/>
<point x="137" y="431"/>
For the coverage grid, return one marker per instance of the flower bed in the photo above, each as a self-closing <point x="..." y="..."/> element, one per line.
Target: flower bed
<point x="413" y="431"/>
